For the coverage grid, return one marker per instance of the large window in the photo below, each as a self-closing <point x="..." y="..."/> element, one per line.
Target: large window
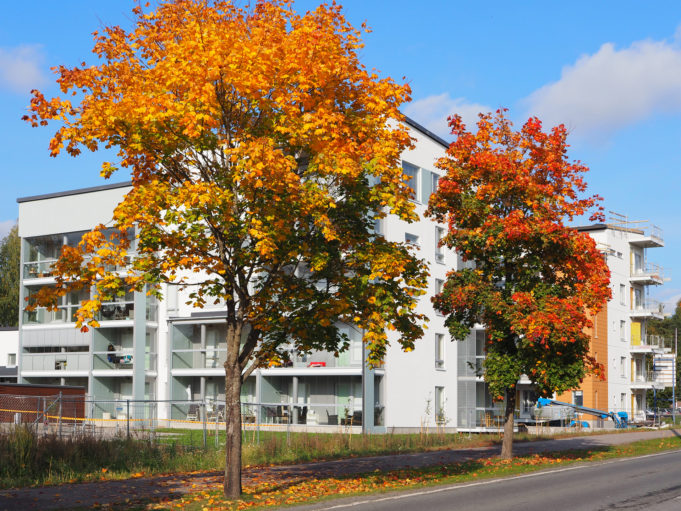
<point x="423" y="182"/>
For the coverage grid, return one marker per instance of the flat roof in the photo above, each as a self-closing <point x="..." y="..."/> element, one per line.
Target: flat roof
<point x="77" y="191"/>
<point x="592" y="227"/>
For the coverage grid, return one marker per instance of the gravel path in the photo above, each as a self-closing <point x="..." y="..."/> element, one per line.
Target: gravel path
<point x="101" y="493"/>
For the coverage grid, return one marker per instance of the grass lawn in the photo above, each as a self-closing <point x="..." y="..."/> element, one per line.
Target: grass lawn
<point x="271" y="494"/>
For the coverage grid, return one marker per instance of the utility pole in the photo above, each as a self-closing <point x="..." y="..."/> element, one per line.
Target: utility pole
<point x="676" y="341"/>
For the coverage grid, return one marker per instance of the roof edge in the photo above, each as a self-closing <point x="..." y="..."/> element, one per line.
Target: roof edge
<point x="77" y="191"/>
<point x="411" y="122"/>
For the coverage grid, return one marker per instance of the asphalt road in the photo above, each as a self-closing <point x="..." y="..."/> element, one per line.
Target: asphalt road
<point x="651" y="482"/>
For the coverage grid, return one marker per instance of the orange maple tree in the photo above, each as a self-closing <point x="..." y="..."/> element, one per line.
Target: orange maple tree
<point x="261" y="153"/>
<point x="506" y="196"/>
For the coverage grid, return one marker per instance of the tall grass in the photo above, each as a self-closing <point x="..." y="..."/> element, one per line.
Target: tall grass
<point x="26" y="459"/>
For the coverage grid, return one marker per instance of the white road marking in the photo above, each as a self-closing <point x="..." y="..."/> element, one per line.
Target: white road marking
<point x="494" y="481"/>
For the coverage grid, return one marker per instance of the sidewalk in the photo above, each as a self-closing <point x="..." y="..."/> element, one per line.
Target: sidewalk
<point x="87" y="495"/>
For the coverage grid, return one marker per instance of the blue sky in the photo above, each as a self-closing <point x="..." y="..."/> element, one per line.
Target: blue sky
<point x="611" y="71"/>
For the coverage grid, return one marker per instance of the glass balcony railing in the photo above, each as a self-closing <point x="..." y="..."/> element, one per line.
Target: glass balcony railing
<point x="121" y="359"/>
<point x="352" y="357"/>
<point x="41" y="316"/>
<point x="647" y="307"/>
<point x="209" y="358"/>
<point x="38" y="269"/>
<point x="55" y="362"/>
<point x="116" y="311"/>
<point x="648" y="271"/>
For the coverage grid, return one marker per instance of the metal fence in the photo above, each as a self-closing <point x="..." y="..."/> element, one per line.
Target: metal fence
<point x="69" y="415"/>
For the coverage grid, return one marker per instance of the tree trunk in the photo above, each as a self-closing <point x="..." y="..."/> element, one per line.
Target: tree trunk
<point x="509" y="415"/>
<point x="232" y="484"/>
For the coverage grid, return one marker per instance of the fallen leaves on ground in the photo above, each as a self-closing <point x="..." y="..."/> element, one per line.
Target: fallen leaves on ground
<point x="276" y="493"/>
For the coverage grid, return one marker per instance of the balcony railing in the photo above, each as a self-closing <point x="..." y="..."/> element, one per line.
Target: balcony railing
<point x="208" y="358"/>
<point x="648" y="271"/>
<point x="42" y="316"/>
<point x="647" y="307"/>
<point x="121" y="359"/>
<point x="647" y="378"/>
<point x="326" y="359"/>
<point x="116" y="311"/>
<point x="55" y="361"/>
<point x="654" y="342"/>
<point x="38" y="269"/>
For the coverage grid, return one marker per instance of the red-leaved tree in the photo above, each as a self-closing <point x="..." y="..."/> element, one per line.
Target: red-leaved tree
<point x="506" y="196"/>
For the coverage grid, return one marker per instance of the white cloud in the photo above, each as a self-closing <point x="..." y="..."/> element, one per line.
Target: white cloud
<point x="612" y="88"/>
<point x="21" y="68"/>
<point x="432" y="112"/>
<point x="5" y="227"/>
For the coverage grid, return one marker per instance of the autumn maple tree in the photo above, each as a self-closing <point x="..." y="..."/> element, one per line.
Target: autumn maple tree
<point x="261" y="153"/>
<point x="506" y="196"/>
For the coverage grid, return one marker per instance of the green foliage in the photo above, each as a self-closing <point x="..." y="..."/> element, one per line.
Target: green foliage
<point x="10" y="253"/>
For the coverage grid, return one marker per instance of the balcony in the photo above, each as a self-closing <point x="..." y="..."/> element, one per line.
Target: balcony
<point x="121" y="360"/>
<point x="647" y="380"/>
<point x="650" y="344"/>
<point x="646" y="235"/>
<point x="649" y="274"/>
<point x="38" y="269"/>
<point x="208" y="358"/>
<point x="55" y="362"/>
<point x="352" y="357"/>
<point x="116" y="311"/>
<point x="42" y="316"/>
<point x="647" y="309"/>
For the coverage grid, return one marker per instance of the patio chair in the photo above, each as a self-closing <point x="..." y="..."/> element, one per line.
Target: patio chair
<point x="193" y="413"/>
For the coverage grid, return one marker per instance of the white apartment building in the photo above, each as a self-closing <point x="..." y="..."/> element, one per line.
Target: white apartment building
<point x="626" y="347"/>
<point x="170" y="352"/>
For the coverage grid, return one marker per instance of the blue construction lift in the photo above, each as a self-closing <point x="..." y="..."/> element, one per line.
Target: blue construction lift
<point x="621" y="419"/>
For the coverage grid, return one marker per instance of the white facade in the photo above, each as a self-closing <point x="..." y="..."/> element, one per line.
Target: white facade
<point x="9" y="347"/>
<point x="183" y="348"/>
<point x="629" y="346"/>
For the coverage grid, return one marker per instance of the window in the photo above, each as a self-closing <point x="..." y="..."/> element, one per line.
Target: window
<point x="578" y="398"/>
<point x="439" y="250"/>
<point x="439" y="351"/>
<point x="429" y="182"/>
<point x="623" y="291"/>
<point x="412" y="239"/>
<point x="623" y="402"/>
<point x="11" y="359"/>
<point x="440" y="415"/>
<point x="412" y="172"/>
<point x="439" y="286"/>
<point x="623" y="329"/>
<point x="623" y="361"/>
